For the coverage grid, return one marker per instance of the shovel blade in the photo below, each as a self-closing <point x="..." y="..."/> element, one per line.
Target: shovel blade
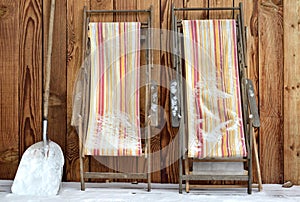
<point x="37" y="174"/>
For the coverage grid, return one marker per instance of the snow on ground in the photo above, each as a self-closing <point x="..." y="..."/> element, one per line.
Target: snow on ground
<point x="160" y="192"/>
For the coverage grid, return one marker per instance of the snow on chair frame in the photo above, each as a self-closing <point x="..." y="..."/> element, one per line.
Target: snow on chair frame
<point x="218" y="110"/>
<point x="106" y="104"/>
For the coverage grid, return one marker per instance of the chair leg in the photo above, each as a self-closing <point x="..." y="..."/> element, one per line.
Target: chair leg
<point x="148" y="146"/>
<point x="149" y="174"/>
<point x="250" y="158"/>
<point x="149" y="182"/>
<point x="250" y="172"/>
<point x="250" y="184"/>
<point x="257" y="164"/>
<point x="187" y="172"/>
<point x="82" y="183"/>
<point x="180" y="175"/>
<point x="81" y="156"/>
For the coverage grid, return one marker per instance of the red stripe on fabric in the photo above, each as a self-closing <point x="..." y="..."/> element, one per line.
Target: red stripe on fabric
<point x="121" y="71"/>
<point x="101" y="77"/>
<point x="98" y="37"/>
<point x="100" y="85"/>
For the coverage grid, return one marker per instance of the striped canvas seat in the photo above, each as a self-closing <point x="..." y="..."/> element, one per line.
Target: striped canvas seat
<point x="214" y="115"/>
<point x="114" y="124"/>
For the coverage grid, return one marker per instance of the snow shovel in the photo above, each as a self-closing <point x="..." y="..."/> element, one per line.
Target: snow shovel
<point x="41" y="167"/>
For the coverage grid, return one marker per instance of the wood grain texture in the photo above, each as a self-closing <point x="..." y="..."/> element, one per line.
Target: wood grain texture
<point x="220" y="14"/>
<point x="196" y="4"/>
<point x="168" y="135"/>
<point x="9" y="64"/>
<point x="57" y="117"/>
<point x="74" y="55"/>
<point x="291" y="22"/>
<point x="270" y="90"/>
<point x="124" y="5"/>
<point x="30" y="85"/>
<point x="102" y="5"/>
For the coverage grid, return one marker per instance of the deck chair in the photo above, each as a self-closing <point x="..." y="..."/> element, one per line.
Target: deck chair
<point x="218" y="111"/>
<point x="106" y="104"/>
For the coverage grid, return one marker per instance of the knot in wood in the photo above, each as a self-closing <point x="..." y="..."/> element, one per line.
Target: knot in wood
<point x="3" y="10"/>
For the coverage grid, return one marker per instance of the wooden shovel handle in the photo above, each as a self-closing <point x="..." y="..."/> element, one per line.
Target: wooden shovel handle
<point x="48" y="64"/>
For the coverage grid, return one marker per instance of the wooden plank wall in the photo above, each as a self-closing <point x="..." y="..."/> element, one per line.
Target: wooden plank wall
<point x="30" y="73"/>
<point x="9" y="63"/>
<point x="291" y="82"/>
<point x="273" y="60"/>
<point x="74" y="52"/>
<point x="270" y="89"/>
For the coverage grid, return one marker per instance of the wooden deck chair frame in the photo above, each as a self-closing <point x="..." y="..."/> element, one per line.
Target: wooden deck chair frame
<point x="84" y="107"/>
<point x="249" y="108"/>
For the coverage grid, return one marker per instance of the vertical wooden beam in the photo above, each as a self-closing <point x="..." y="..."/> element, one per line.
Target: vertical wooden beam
<point x="30" y="85"/>
<point x="291" y="23"/>
<point x="270" y="90"/>
<point x="74" y="55"/>
<point x="57" y="120"/>
<point x="155" y="75"/>
<point x="168" y="135"/>
<point x="9" y="72"/>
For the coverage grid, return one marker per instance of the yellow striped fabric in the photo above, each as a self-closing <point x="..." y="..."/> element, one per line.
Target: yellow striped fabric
<point x="214" y="115"/>
<point x="114" y="123"/>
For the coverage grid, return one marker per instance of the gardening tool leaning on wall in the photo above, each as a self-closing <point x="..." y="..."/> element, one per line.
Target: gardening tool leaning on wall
<point x="41" y="167"/>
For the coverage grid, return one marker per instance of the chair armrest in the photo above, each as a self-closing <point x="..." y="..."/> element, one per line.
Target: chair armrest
<point x="252" y="103"/>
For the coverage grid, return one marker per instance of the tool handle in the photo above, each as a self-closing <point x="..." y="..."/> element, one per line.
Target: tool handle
<point x="48" y="64"/>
